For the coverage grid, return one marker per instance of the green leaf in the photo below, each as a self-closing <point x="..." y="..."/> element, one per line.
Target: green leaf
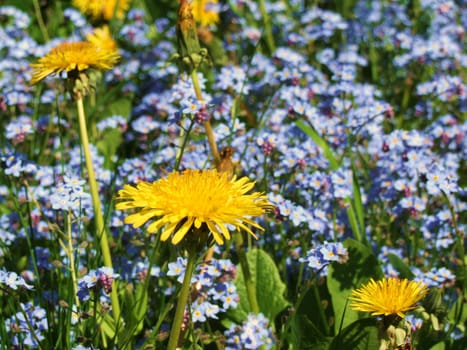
<point x="141" y="307"/>
<point x="305" y="335"/>
<point x="343" y="278"/>
<point x="311" y="324"/>
<point x="357" y="197"/>
<point x="359" y="335"/>
<point x="136" y="302"/>
<point x="109" y="143"/>
<point x="441" y="346"/>
<point x="353" y="220"/>
<point x="313" y="134"/>
<point x="400" y="266"/>
<point x="269" y="287"/>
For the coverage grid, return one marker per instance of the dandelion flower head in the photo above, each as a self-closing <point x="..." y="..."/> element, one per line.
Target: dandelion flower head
<point x="391" y="296"/>
<point x="70" y="56"/>
<point x="101" y="38"/>
<point x="105" y="9"/>
<point x="191" y="199"/>
<point x="205" y="12"/>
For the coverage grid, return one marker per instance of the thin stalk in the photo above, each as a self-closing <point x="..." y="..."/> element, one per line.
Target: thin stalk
<point x="207" y="124"/>
<point x="99" y="218"/>
<point x="267" y="26"/>
<point x="182" y="300"/>
<point x="183" y="139"/>
<point x="71" y="257"/>
<point x="40" y="20"/>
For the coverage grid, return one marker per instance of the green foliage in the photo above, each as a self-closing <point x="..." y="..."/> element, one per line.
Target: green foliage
<point x="400" y="266"/>
<point x="314" y="135"/>
<point x="269" y="287"/>
<point x="343" y="278"/>
<point x="310" y="325"/>
<point x="359" y="335"/>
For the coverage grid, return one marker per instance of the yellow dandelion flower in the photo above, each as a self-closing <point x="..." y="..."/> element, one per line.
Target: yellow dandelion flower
<point x="105" y="9"/>
<point x="102" y="39"/>
<point x="205" y="12"/>
<point x="191" y="199"/>
<point x="71" y="56"/>
<point x="391" y="296"/>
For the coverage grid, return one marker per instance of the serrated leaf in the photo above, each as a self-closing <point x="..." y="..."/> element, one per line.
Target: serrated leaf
<point x="343" y="278"/>
<point x="268" y="285"/>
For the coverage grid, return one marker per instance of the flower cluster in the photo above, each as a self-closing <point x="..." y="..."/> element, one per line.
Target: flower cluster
<point x="27" y="326"/>
<point x="96" y="280"/>
<point x="366" y="134"/>
<point x="254" y="333"/>
<point x="213" y="288"/>
<point x="320" y="257"/>
<point x="12" y="280"/>
<point x="70" y="196"/>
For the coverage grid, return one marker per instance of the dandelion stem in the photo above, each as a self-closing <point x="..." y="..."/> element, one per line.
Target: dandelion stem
<point x="99" y="219"/>
<point x="182" y="300"/>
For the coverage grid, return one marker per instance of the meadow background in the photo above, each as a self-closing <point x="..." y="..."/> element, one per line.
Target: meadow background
<point x="349" y="115"/>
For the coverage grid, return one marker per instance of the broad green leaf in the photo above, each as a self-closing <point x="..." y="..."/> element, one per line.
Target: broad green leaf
<point x="269" y="287"/>
<point x="359" y="335"/>
<point x="109" y="144"/>
<point x="441" y="346"/>
<point x="120" y="107"/>
<point x="343" y="278"/>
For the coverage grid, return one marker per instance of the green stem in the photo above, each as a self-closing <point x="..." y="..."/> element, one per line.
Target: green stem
<point x="249" y="283"/>
<point x="71" y="256"/>
<point x="324" y="321"/>
<point x="374" y="62"/>
<point x="207" y="124"/>
<point x="267" y="26"/>
<point x="40" y="20"/>
<point x="99" y="218"/>
<point x="183" y="137"/>
<point x="182" y="300"/>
